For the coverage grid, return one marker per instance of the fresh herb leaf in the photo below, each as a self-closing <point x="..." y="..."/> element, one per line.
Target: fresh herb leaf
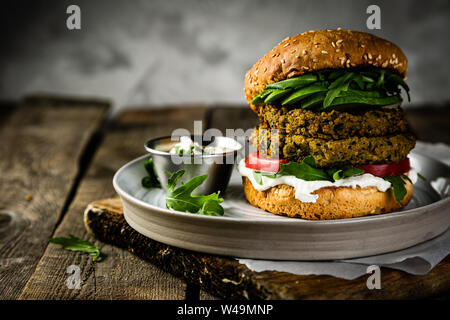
<point x="366" y="100"/>
<point x="293" y="83"/>
<point x="259" y="99"/>
<point x="345" y="172"/>
<point x="323" y="90"/>
<point x="313" y="100"/>
<point x="303" y="93"/>
<point x="276" y="95"/>
<point x="398" y="185"/>
<point x="258" y="177"/>
<point x="151" y="181"/>
<point x="305" y="170"/>
<point x="211" y="208"/>
<point x="181" y="198"/>
<point x="421" y="177"/>
<point x="406" y="177"/>
<point x="73" y="243"/>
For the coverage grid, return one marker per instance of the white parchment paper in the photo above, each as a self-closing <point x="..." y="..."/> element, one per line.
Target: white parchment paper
<point x="417" y="260"/>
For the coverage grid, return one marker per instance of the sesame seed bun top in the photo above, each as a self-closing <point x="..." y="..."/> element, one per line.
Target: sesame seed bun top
<point x="319" y="50"/>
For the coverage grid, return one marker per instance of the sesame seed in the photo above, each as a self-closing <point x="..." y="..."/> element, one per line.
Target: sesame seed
<point x="287" y="44"/>
<point x="287" y="38"/>
<point x="293" y="50"/>
<point x="283" y="61"/>
<point x="305" y="68"/>
<point x="365" y="56"/>
<point x="298" y="57"/>
<point x="304" y="52"/>
<point x="379" y="57"/>
<point x="370" y="56"/>
<point x="339" y="28"/>
<point x="324" y="52"/>
<point x="339" y="41"/>
<point x="338" y="50"/>
<point x="393" y="55"/>
<point x="333" y="44"/>
<point x="265" y="69"/>
<point x="274" y="55"/>
<point x="363" y="46"/>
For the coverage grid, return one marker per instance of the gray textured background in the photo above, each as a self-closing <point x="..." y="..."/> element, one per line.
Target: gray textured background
<point x="161" y="52"/>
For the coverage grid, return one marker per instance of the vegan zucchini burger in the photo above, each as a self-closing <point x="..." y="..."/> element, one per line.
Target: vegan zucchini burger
<point x="332" y="139"/>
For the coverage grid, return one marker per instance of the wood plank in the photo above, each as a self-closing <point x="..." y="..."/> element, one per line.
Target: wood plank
<point x="42" y="142"/>
<point x="223" y="118"/>
<point x="226" y="278"/>
<point x="120" y="275"/>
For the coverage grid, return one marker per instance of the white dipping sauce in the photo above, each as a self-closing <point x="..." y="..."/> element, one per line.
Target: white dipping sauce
<point x="304" y="189"/>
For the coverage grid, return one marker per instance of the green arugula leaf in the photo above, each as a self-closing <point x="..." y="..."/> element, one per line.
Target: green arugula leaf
<point x="258" y="176"/>
<point x="333" y="93"/>
<point x="313" y="100"/>
<point x="293" y="83"/>
<point x="181" y="198"/>
<point x="73" y="243"/>
<point x="151" y="181"/>
<point x="276" y="95"/>
<point x="345" y="172"/>
<point x="211" y="208"/>
<point x="365" y="100"/>
<point x="421" y="177"/>
<point x="259" y="99"/>
<point x="305" y="170"/>
<point x="303" y="93"/>
<point x="398" y="81"/>
<point x="320" y="90"/>
<point x="398" y="185"/>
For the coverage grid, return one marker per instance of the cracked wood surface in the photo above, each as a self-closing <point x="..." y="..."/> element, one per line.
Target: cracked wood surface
<point x="42" y="142"/>
<point x="119" y="275"/>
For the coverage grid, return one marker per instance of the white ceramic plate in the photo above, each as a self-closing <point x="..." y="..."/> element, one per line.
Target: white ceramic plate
<point x="248" y="232"/>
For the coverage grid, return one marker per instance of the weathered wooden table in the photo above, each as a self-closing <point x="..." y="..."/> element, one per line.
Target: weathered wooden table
<point x="57" y="155"/>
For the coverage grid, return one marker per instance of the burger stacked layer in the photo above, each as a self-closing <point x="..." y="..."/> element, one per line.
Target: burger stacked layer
<point x="332" y="140"/>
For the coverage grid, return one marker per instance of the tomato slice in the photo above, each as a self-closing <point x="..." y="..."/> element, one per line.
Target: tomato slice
<point x="259" y="163"/>
<point x="386" y="170"/>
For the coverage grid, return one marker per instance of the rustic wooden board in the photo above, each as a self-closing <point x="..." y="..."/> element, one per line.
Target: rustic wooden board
<point x="120" y="275"/>
<point x="42" y="142"/>
<point x="226" y="278"/>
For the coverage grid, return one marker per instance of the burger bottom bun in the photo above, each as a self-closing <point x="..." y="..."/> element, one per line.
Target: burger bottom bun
<point x="333" y="202"/>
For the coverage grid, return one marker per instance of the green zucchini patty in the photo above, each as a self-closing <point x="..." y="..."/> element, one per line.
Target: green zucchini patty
<point x="352" y="150"/>
<point x="334" y="124"/>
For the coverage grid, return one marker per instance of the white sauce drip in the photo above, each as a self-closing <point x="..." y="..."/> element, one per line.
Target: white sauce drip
<point x="304" y="189"/>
